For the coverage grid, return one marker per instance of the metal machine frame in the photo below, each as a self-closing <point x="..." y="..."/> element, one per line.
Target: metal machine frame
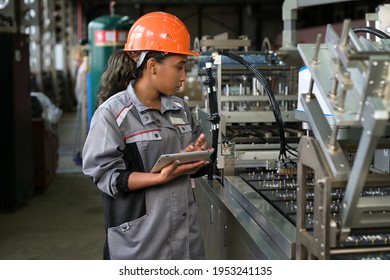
<point x="352" y="74"/>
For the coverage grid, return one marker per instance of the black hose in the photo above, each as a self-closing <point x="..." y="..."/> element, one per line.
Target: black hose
<point x="371" y="30"/>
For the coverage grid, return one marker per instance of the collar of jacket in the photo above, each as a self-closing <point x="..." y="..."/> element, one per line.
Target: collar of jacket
<point x="167" y="102"/>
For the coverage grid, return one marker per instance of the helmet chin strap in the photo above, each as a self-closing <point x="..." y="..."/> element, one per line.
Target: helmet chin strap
<point x="141" y="58"/>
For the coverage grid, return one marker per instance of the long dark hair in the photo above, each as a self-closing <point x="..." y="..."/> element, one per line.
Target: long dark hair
<point x="120" y="70"/>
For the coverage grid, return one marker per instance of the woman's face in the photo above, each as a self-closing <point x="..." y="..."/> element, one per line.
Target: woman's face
<point x="170" y="74"/>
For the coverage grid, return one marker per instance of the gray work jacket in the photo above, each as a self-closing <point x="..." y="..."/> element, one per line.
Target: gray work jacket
<point x="159" y="222"/>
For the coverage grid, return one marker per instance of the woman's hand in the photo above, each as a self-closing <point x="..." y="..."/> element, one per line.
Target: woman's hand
<point x="140" y="180"/>
<point x="176" y="169"/>
<point x="200" y="145"/>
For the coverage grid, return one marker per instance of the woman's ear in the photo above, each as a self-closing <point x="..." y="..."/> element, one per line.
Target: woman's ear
<point x="151" y="65"/>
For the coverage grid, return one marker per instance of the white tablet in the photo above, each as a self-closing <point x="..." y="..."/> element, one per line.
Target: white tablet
<point x="166" y="159"/>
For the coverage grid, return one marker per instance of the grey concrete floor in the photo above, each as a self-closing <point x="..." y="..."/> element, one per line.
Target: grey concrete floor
<point x="65" y="221"/>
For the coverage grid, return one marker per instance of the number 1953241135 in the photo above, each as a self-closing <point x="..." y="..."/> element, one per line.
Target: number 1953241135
<point x="238" y="270"/>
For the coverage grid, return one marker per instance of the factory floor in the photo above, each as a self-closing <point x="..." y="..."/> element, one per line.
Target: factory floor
<point x="63" y="222"/>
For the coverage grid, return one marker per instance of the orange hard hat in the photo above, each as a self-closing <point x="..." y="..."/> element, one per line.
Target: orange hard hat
<point x="159" y="31"/>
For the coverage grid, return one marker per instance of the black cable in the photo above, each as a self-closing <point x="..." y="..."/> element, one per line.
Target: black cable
<point x="292" y="153"/>
<point x="371" y="30"/>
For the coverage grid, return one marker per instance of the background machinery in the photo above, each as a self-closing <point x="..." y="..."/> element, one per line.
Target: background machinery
<point x="307" y="183"/>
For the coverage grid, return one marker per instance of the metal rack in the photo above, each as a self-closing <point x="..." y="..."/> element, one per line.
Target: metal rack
<point x="351" y="72"/>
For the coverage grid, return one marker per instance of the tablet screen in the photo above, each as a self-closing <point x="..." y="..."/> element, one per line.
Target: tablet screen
<point x="166" y="159"/>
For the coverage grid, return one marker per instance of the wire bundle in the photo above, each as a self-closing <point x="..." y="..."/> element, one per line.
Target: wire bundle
<point x="371" y="30"/>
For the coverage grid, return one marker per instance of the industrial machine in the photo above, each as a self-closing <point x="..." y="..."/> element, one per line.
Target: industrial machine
<point x="249" y="128"/>
<point x="328" y="199"/>
<point x="253" y="129"/>
<point x="351" y="202"/>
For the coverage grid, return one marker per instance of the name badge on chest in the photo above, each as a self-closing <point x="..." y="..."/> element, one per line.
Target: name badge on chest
<point x="177" y="121"/>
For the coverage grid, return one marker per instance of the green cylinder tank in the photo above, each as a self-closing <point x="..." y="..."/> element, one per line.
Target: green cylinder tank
<point x="106" y="34"/>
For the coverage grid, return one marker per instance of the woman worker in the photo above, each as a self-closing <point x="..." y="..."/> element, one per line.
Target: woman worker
<point x="147" y="215"/>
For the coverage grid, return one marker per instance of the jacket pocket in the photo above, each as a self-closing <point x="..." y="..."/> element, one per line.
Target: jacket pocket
<point x="185" y="132"/>
<point x="126" y="241"/>
<point x="144" y="138"/>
